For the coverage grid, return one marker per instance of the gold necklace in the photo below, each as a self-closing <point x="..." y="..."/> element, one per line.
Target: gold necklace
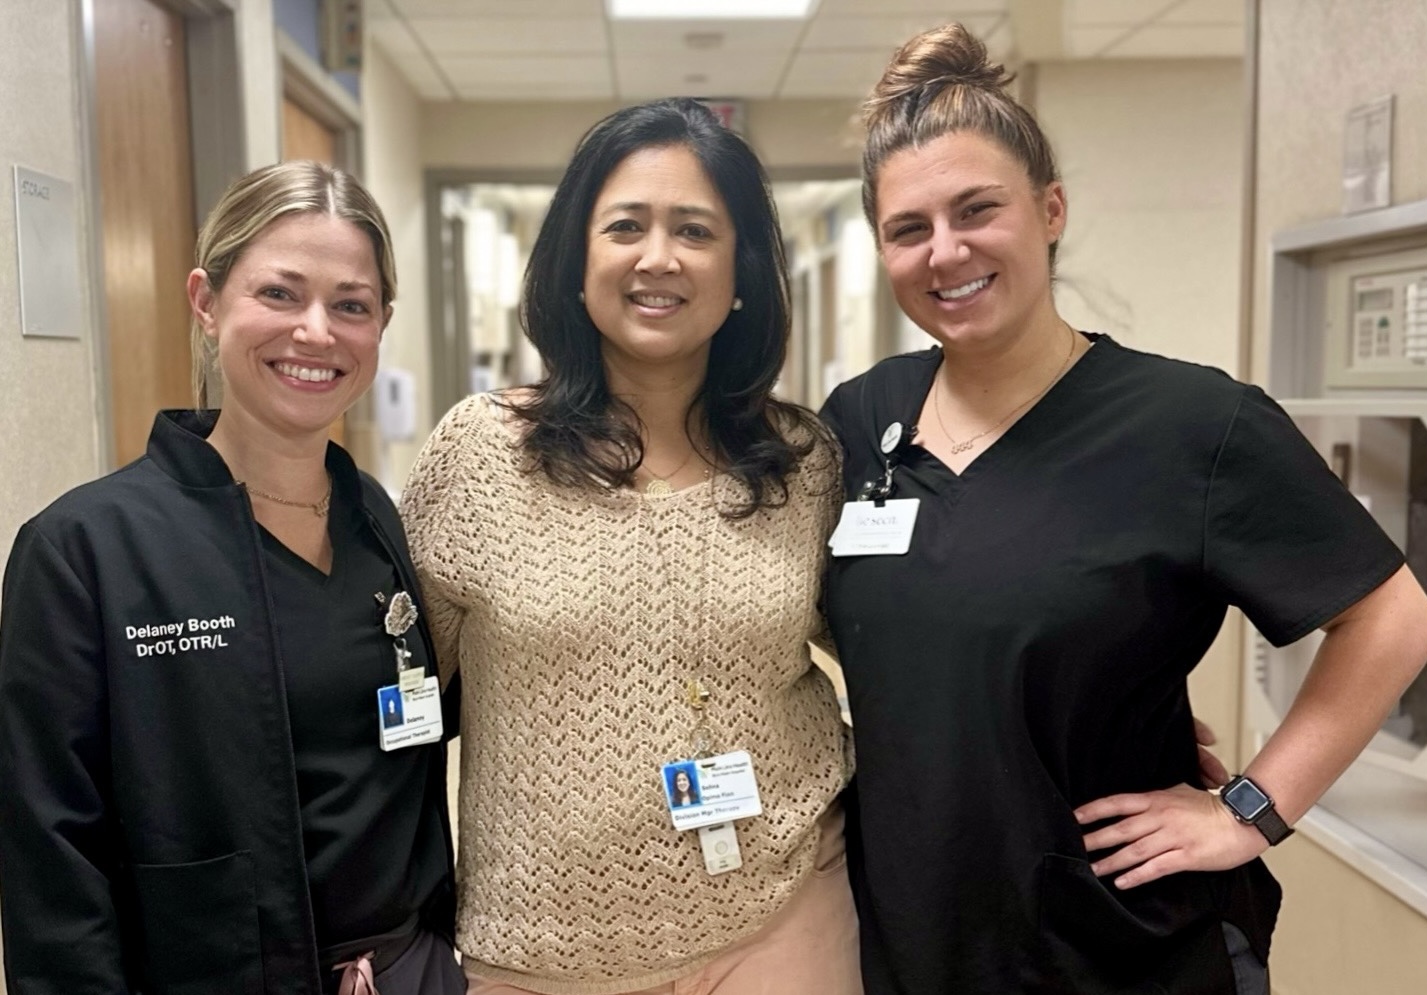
<point x="659" y="486"/>
<point x="319" y="509"/>
<point x="965" y="444"/>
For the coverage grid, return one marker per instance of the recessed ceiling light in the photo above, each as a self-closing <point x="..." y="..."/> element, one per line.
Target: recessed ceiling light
<point x="723" y="10"/>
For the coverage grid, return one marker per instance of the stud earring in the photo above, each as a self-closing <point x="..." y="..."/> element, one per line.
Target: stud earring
<point x="738" y="304"/>
<point x="581" y="295"/>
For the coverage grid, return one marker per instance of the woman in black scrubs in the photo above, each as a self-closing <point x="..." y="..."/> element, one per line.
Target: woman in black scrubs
<point x="1080" y="516"/>
<point x="199" y="654"/>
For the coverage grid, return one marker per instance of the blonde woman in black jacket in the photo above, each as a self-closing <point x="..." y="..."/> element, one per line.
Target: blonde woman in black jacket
<point x="200" y="795"/>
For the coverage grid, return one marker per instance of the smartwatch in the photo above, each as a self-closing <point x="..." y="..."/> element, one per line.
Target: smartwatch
<point x="1252" y="806"/>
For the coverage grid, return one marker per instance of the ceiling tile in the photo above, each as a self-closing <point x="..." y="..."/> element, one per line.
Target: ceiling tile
<point x="572" y="72"/>
<point x="499" y="8"/>
<point x="548" y="91"/>
<point x="511" y="35"/>
<point x="395" y="41"/>
<point x="1205" y="12"/>
<point x="668" y="37"/>
<point x="749" y="76"/>
<point x="946" y="10"/>
<point x="833" y="74"/>
<point x="1089" y="43"/>
<point x="889" y="33"/>
<point x="1181" y="42"/>
<point x="1091" y="12"/>
<point x="425" y="80"/>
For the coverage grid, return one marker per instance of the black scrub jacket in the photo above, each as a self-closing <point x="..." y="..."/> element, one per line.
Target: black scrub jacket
<point x="1030" y="654"/>
<point x="150" y="834"/>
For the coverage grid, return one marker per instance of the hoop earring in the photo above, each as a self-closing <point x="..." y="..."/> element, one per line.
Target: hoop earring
<point x="738" y="304"/>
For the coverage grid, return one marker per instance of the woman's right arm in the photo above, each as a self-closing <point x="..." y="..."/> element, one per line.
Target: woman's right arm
<point x="425" y="505"/>
<point x="59" y="841"/>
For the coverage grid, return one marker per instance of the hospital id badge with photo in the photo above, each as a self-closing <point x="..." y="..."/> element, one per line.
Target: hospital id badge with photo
<point x="870" y="528"/>
<point x="409" y="718"/>
<point x="710" y="791"/>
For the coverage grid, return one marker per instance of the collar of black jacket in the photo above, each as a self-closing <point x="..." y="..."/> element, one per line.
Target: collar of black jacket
<point x="178" y="445"/>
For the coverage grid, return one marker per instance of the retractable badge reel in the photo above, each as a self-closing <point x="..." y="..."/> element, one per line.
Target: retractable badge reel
<point x="876" y="524"/>
<point x="409" y="711"/>
<point x="709" y="793"/>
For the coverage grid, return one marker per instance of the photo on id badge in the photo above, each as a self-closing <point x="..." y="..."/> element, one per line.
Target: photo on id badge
<point x="390" y="699"/>
<point x="681" y="781"/>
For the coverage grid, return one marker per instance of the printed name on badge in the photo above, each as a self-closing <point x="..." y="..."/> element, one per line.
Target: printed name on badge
<point x="707" y="792"/>
<point x="866" y="529"/>
<point x="409" y="718"/>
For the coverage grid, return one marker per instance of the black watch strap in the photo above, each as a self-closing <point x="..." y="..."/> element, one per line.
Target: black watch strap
<point x="1262" y="816"/>
<point x="1274" y="829"/>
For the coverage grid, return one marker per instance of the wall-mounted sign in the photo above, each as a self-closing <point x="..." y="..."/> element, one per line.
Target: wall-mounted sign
<point x="47" y="244"/>
<point x="341" y="26"/>
<point x="1367" y="157"/>
<point x="730" y="113"/>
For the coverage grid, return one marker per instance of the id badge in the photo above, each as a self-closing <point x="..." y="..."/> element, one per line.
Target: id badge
<point x="868" y="530"/>
<point x="710" y="791"/>
<point x="409" y="718"/>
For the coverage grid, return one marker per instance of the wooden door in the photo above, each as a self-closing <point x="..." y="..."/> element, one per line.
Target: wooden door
<point x="305" y="137"/>
<point x="146" y="211"/>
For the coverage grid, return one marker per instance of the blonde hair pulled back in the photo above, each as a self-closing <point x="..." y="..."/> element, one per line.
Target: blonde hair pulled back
<point x="266" y="195"/>
<point x="940" y="82"/>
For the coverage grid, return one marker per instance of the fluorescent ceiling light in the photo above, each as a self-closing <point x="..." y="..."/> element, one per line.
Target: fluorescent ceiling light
<point x="724" y="10"/>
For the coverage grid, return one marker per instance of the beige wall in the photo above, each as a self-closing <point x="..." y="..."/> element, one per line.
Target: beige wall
<point x="261" y="81"/>
<point x="47" y="397"/>
<point x="391" y="140"/>
<point x="1339" y="932"/>
<point x="1152" y="157"/>
<point x="522" y="136"/>
<point x="47" y="414"/>
<point x="1317" y="60"/>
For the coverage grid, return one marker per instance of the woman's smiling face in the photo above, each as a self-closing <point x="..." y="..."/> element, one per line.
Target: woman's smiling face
<point x="659" y="269"/>
<point x="966" y="238"/>
<point x="297" y="323"/>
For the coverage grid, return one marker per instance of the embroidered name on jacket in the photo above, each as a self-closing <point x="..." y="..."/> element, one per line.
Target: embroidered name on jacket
<point x="164" y="638"/>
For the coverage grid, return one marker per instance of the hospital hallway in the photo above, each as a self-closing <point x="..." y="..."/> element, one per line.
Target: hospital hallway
<point x="1246" y="183"/>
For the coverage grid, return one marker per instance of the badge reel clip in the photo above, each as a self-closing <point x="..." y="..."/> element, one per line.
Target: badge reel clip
<point x="895" y="441"/>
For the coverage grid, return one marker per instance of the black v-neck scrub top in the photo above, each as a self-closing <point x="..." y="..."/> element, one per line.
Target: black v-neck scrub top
<point x="374" y="839"/>
<point x="1029" y="653"/>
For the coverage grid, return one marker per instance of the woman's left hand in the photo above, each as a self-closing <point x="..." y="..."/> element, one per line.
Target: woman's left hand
<point x="1165" y="832"/>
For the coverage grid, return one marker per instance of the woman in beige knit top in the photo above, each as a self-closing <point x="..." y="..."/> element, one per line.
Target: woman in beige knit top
<point x="624" y="561"/>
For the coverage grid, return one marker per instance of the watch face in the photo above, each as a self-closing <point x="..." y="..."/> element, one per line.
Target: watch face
<point x="1245" y="798"/>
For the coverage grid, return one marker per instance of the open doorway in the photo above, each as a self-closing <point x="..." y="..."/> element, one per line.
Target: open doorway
<point x="482" y="231"/>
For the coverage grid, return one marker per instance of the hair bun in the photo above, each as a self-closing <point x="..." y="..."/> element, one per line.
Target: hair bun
<point x="941" y="57"/>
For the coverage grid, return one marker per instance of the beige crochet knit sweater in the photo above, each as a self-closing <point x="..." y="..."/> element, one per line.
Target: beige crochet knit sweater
<point x="577" y="618"/>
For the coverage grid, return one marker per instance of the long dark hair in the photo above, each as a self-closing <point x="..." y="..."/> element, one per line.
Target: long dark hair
<point x="581" y="435"/>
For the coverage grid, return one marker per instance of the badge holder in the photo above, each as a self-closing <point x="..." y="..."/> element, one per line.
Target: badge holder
<point x="876" y="524"/>
<point x="708" y="793"/>
<point x="409" y="711"/>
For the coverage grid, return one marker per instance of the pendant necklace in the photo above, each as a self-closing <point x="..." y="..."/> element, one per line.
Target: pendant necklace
<point x="965" y="444"/>
<point x="659" y="486"/>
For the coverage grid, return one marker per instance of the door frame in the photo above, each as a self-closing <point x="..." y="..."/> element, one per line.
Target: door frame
<point x="218" y="149"/>
<point x="310" y="87"/>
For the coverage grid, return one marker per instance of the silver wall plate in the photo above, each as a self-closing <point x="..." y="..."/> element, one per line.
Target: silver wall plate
<point x="47" y="244"/>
